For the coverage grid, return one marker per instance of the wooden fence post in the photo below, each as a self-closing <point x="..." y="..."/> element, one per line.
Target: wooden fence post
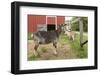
<point x="81" y="31"/>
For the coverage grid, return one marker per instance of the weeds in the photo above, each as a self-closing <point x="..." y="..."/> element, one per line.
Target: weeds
<point x="33" y="57"/>
<point x="43" y="49"/>
<point x="75" y="45"/>
<point x="80" y="52"/>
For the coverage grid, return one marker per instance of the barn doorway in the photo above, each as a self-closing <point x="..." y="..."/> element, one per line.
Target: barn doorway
<point x="51" y="27"/>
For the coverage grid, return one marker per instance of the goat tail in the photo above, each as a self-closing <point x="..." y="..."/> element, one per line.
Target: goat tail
<point x="32" y="35"/>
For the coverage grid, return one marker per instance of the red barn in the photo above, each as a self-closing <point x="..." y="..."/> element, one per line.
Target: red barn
<point x="43" y="22"/>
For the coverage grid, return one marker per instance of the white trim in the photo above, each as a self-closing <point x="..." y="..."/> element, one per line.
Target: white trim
<point x="51" y="16"/>
<point x="56" y="22"/>
<point x="46" y="20"/>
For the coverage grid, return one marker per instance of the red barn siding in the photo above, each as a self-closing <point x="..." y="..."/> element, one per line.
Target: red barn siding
<point x="60" y="20"/>
<point x="30" y="23"/>
<point x="34" y="20"/>
<point x="51" y="20"/>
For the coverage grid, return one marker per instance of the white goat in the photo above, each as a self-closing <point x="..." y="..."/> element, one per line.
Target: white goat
<point x="69" y="32"/>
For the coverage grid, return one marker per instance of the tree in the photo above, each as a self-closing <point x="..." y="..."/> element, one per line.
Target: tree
<point x="75" y="25"/>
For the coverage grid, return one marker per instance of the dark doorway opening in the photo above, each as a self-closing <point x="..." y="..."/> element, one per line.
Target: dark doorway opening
<point x="51" y="27"/>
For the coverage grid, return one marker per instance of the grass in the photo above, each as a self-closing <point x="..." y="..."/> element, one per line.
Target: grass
<point x="33" y="57"/>
<point x="75" y="45"/>
<point x="80" y="52"/>
<point x="63" y="39"/>
<point x="43" y="49"/>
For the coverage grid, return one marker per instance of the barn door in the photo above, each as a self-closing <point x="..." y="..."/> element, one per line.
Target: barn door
<point x="51" y="22"/>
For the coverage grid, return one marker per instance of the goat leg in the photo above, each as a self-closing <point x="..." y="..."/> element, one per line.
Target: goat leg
<point x="35" y="49"/>
<point x="55" y="45"/>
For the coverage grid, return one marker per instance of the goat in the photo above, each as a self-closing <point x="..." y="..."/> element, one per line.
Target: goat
<point x="46" y="37"/>
<point x="68" y="31"/>
<point x="70" y="34"/>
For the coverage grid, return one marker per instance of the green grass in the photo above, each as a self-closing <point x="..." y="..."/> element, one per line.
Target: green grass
<point x="81" y="51"/>
<point x="33" y="57"/>
<point x="43" y="49"/>
<point x="63" y="39"/>
<point x="75" y="45"/>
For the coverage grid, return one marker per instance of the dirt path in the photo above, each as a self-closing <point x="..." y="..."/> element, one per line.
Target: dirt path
<point x="46" y="52"/>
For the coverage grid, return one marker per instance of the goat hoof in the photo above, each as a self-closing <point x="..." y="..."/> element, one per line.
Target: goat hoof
<point x="35" y="54"/>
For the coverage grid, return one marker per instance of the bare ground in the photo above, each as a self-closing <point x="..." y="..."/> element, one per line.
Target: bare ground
<point x="46" y="51"/>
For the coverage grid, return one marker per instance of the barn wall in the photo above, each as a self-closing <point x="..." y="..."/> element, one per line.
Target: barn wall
<point x="30" y="23"/>
<point x="34" y="20"/>
<point x="60" y="20"/>
<point x="51" y="20"/>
